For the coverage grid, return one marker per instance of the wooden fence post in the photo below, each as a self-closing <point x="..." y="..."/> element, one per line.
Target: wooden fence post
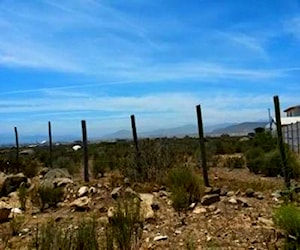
<point x="202" y="145"/>
<point x="298" y="137"/>
<point x="85" y="151"/>
<point x="286" y="174"/>
<point x="135" y="140"/>
<point x="17" y="145"/>
<point x="50" y="145"/>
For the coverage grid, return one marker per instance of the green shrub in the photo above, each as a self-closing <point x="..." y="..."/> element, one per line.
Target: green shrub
<point x="185" y="185"/>
<point x="50" y="196"/>
<point x="255" y="159"/>
<point x="287" y="217"/>
<point x="152" y="163"/>
<point x="16" y="224"/>
<point x="86" y="235"/>
<point x="66" y="162"/>
<point x="234" y="162"/>
<point x="125" y="227"/>
<point x="272" y="164"/>
<point x="30" y="166"/>
<point x="51" y="235"/>
<point x="22" y="194"/>
<point x="100" y="164"/>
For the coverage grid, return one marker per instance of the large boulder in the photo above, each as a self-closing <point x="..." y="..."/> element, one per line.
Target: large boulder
<point x="55" y="176"/>
<point x="11" y="183"/>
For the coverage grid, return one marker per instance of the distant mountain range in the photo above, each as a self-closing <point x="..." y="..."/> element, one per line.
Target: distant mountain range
<point x="190" y="130"/>
<point x="240" y="129"/>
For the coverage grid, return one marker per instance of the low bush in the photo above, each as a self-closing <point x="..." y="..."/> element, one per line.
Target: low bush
<point x="51" y="235"/>
<point x="29" y="166"/>
<point x="255" y="159"/>
<point x="185" y="185"/>
<point x="125" y="227"/>
<point x="66" y="162"/>
<point x="50" y="196"/>
<point x="22" y="194"/>
<point x="152" y="163"/>
<point x="100" y="164"/>
<point x="235" y="162"/>
<point x="16" y="224"/>
<point x="287" y="217"/>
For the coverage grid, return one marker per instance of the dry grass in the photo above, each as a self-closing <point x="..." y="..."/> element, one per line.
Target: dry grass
<point x="241" y="179"/>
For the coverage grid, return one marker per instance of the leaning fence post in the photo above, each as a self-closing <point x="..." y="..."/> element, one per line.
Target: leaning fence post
<point x="135" y="140"/>
<point x="17" y="145"/>
<point x="202" y="145"/>
<point x="50" y="144"/>
<point x="85" y="151"/>
<point x="280" y="142"/>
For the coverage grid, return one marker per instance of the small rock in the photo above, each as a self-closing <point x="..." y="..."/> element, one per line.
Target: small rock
<point x="178" y="232"/>
<point x="81" y="204"/>
<point x="116" y="192"/>
<point x="210" y="199"/>
<point x="242" y="201"/>
<point x="232" y="200"/>
<point x="249" y="192"/>
<point x="16" y="210"/>
<point x="230" y="193"/>
<point x="217" y="211"/>
<point x="265" y="221"/>
<point x="193" y="205"/>
<point x="276" y="194"/>
<point x="110" y="212"/>
<point x="259" y="195"/>
<point x="199" y="210"/>
<point x="61" y="182"/>
<point x="160" y="237"/>
<point x="25" y="230"/>
<point x="83" y="191"/>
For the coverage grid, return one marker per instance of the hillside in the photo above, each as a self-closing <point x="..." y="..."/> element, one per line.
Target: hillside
<point x="239" y="129"/>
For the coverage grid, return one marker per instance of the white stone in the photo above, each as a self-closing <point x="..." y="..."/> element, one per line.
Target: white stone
<point x="83" y="191"/>
<point x="199" y="210"/>
<point x="160" y="237"/>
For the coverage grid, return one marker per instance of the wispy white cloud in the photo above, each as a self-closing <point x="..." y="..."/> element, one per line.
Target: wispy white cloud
<point x="252" y="43"/>
<point x="292" y="26"/>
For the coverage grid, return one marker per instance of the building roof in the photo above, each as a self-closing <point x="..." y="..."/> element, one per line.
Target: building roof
<point x="289" y="120"/>
<point x="293" y="107"/>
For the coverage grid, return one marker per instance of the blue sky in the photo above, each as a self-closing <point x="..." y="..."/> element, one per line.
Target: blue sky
<point x="102" y="60"/>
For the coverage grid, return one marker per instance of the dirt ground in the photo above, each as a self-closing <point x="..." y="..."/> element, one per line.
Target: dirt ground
<point x="235" y="222"/>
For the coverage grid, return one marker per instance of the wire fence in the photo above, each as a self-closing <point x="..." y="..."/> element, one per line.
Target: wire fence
<point x="291" y="135"/>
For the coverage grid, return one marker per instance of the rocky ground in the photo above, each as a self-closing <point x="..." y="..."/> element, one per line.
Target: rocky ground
<point x="235" y="214"/>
